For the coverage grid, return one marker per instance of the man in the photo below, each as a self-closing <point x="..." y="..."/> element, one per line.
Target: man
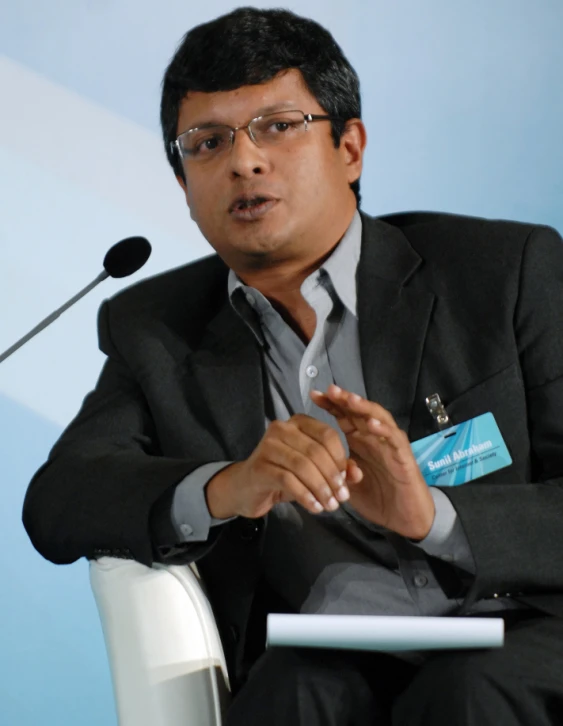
<point x="257" y="408"/>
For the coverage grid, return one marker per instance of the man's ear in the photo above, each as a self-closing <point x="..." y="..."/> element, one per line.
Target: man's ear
<point x="352" y="145"/>
<point x="182" y="183"/>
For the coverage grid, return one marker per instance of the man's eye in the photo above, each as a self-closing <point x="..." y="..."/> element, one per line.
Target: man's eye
<point x="280" y="127"/>
<point x="207" y="145"/>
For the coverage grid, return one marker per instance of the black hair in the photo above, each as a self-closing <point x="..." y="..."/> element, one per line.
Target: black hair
<point x="250" y="46"/>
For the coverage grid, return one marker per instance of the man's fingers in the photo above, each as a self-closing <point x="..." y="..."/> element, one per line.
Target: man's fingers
<point x="346" y="422"/>
<point x="344" y="403"/>
<point x="312" y="466"/>
<point x="347" y="419"/>
<point x="324" y="402"/>
<point x="354" y="474"/>
<point x="295" y="491"/>
<point x="326" y="436"/>
<point x="384" y="433"/>
<point x="382" y="440"/>
<point x="377" y="432"/>
<point x="357" y="406"/>
<point x="367" y="423"/>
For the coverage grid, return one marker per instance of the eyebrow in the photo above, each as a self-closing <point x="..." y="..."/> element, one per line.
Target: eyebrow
<point x="262" y="111"/>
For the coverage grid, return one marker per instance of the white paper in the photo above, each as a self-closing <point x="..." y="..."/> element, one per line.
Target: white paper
<point x="384" y="633"/>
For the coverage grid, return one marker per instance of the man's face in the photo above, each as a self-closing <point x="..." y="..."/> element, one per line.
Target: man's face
<point x="307" y="181"/>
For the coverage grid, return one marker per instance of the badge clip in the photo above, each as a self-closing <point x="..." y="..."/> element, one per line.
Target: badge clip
<point x="438" y="411"/>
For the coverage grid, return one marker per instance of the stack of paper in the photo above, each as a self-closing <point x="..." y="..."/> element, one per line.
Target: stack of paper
<point x="384" y="633"/>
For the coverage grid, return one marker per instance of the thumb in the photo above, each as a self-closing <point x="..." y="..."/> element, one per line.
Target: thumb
<point x="354" y="474"/>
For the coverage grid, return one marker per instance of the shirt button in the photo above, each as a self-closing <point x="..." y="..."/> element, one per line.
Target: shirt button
<point x="312" y="371"/>
<point x="186" y="530"/>
<point x="420" y="580"/>
<point x="250" y="299"/>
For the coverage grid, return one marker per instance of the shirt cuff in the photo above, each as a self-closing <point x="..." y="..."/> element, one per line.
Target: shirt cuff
<point x="189" y="512"/>
<point x="447" y="539"/>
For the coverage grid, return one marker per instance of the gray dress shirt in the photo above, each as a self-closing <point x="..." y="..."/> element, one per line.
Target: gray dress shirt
<point x="333" y="562"/>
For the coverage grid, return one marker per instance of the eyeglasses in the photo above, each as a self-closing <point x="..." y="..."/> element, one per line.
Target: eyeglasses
<point x="274" y="129"/>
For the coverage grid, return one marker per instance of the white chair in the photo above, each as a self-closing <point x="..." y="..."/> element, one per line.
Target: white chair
<point x="166" y="659"/>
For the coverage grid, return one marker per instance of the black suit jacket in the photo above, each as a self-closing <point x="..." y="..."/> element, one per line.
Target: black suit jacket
<point x="464" y="307"/>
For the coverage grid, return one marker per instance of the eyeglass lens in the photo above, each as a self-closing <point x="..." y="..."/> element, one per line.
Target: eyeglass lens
<point x="275" y="128"/>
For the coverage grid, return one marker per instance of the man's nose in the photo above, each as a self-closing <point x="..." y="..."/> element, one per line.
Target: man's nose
<point x="246" y="159"/>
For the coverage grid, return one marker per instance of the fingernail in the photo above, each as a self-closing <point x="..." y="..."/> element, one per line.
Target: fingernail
<point x="343" y="494"/>
<point x="332" y="504"/>
<point x="337" y="389"/>
<point x="320" y="393"/>
<point x="355" y="398"/>
<point x="339" y="480"/>
<point x="318" y="507"/>
<point x="375" y="421"/>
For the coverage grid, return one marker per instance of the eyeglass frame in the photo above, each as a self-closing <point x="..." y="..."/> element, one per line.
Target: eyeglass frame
<point x="307" y="118"/>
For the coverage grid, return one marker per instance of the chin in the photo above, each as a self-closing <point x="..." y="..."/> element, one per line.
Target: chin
<point x="264" y="250"/>
<point x="259" y="236"/>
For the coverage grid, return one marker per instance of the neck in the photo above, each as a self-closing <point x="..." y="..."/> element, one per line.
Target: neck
<point x="281" y="282"/>
<point x="282" y="287"/>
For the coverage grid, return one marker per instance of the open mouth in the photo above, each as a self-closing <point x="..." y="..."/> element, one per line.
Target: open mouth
<point x="249" y="203"/>
<point x="251" y="208"/>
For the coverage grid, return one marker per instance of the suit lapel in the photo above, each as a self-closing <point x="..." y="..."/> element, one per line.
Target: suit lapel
<point x="226" y="370"/>
<point x="393" y="318"/>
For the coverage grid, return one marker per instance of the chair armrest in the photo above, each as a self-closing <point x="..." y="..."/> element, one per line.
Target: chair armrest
<point x="164" y="650"/>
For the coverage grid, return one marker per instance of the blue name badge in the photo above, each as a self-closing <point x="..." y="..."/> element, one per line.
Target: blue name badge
<point x="462" y="452"/>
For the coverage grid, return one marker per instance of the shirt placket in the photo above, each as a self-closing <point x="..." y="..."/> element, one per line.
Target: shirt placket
<point x="314" y="371"/>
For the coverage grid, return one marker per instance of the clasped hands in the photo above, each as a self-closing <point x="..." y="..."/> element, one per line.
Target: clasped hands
<point x="304" y="460"/>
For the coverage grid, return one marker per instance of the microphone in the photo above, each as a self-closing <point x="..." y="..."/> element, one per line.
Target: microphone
<point x="121" y="260"/>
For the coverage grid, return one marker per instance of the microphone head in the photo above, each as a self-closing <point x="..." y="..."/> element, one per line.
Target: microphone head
<point x="127" y="256"/>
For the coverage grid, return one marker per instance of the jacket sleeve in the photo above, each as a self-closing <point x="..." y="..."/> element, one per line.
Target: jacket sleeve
<point x="515" y="530"/>
<point x="95" y="493"/>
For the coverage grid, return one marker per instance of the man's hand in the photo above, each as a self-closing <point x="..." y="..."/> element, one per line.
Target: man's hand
<point x="386" y="485"/>
<point x="301" y="460"/>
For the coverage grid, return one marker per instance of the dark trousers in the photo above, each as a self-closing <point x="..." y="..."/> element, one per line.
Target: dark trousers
<point x="520" y="684"/>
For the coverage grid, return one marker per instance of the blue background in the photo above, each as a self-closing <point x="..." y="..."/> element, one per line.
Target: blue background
<point x="464" y="108"/>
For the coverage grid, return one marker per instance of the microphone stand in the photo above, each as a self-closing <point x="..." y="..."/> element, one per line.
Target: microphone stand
<point x="53" y="316"/>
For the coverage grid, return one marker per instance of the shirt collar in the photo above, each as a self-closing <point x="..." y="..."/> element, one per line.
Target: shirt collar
<point x="342" y="264"/>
